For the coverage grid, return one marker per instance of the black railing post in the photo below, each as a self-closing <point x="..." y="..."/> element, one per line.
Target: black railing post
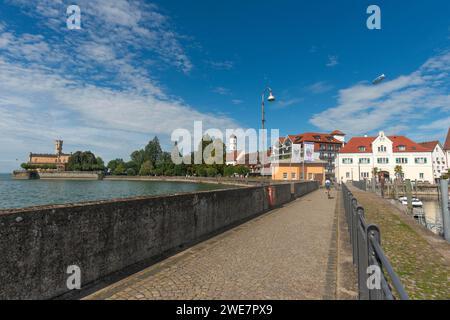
<point x="362" y="255"/>
<point x="376" y="290"/>
<point x="354" y="235"/>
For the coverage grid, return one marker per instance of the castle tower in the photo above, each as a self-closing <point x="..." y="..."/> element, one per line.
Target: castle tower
<point x="233" y="143"/>
<point x="58" y="147"/>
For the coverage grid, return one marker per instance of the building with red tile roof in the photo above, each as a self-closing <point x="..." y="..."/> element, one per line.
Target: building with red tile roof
<point x="364" y="145"/>
<point x="361" y="155"/>
<point x="446" y="149"/>
<point x="447" y="141"/>
<point x="326" y="147"/>
<point x="440" y="164"/>
<point x="429" y="145"/>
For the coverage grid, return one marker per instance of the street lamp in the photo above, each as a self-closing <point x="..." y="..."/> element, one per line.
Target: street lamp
<point x="270" y="98"/>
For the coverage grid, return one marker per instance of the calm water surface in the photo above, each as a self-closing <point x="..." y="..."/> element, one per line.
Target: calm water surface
<point x="432" y="209"/>
<point x="27" y="193"/>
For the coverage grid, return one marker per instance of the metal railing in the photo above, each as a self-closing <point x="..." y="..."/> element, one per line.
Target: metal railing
<point x="368" y="255"/>
<point x="362" y="185"/>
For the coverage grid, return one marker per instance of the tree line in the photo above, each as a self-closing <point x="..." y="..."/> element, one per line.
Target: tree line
<point x="153" y="161"/>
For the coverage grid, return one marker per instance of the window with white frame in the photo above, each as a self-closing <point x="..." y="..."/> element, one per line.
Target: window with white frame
<point x="420" y="160"/>
<point x="364" y="161"/>
<point x="382" y="149"/>
<point x="347" y="161"/>
<point x="401" y="160"/>
<point x="382" y="160"/>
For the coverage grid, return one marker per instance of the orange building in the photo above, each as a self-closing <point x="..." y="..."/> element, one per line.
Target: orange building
<point x="59" y="159"/>
<point x="287" y="171"/>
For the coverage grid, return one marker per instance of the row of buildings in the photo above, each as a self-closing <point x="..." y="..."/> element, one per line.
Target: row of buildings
<point x="358" y="159"/>
<point x="319" y="156"/>
<point x="361" y="157"/>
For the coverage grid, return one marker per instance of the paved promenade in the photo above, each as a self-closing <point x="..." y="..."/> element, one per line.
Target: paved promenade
<point x="288" y="253"/>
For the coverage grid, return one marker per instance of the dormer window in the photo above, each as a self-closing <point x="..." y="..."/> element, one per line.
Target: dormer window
<point x="362" y="148"/>
<point x="316" y="137"/>
<point x="401" y="148"/>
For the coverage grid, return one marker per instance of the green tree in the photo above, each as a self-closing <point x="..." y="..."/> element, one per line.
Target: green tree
<point x="398" y="172"/>
<point x="146" y="168"/>
<point x="120" y="169"/>
<point x="113" y="164"/>
<point x="446" y="175"/>
<point x="242" y="170"/>
<point x="131" y="172"/>
<point x="180" y="170"/>
<point x="138" y="157"/>
<point x="153" y="151"/>
<point x="228" y="171"/>
<point x="211" y="172"/>
<point x="201" y="170"/>
<point x="375" y="172"/>
<point x="132" y="166"/>
<point x="85" y="161"/>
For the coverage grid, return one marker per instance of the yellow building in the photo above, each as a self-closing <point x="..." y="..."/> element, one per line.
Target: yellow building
<point x="59" y="159"/>
<point x="287" y="171"/>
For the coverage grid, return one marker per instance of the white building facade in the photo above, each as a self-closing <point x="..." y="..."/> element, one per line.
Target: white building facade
<point x="361" y="155"/>
<point x="439" y="157"/>
<point x="447" y="149"/>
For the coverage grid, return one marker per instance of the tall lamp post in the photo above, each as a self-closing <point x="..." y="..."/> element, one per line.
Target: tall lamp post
<point x="270" y="98"/>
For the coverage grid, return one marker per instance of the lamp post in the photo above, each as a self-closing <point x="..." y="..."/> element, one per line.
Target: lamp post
<point x="270" y="98"/>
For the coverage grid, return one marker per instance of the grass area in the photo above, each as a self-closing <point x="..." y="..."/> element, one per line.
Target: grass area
<point x="422" y="270"/>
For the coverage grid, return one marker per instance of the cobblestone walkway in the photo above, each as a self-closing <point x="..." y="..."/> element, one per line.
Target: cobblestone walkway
<point x="288" y="253"/>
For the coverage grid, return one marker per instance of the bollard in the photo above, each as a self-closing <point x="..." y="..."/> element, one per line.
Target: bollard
<point x="445" y="209"/>
<point x="409" y="195"/>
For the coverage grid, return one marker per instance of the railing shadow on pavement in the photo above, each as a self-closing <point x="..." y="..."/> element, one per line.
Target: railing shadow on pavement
<point x="368" y="256"/>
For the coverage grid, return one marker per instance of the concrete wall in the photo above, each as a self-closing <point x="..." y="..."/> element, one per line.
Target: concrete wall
<point x="280" y="194"/>
<point x="300" y="189"/>
<point x="38" y="244"/>
<point x="68" y="175"/>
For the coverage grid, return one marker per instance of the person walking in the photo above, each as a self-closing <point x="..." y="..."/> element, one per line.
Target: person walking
<point x="328" y="187"/>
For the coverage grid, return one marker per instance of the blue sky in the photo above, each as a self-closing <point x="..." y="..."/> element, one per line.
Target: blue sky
<point x="140" y="68"/>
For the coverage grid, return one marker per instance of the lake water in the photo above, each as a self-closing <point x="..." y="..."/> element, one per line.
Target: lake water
<point x="432" y="210"/>
<point x="27" y="193"/>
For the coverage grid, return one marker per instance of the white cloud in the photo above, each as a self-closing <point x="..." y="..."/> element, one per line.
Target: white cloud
<point x="93" y="88"/>
<point x="221" y="65"/>
<point x="122" y="24"/>
<point x="288" y="102"/>
<point x="395" y="105"/>
<point x="319" y="87"/>
<point x="222" y="91"/>
<point x="237" y="101"/>
<point x="332" y="61"/>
